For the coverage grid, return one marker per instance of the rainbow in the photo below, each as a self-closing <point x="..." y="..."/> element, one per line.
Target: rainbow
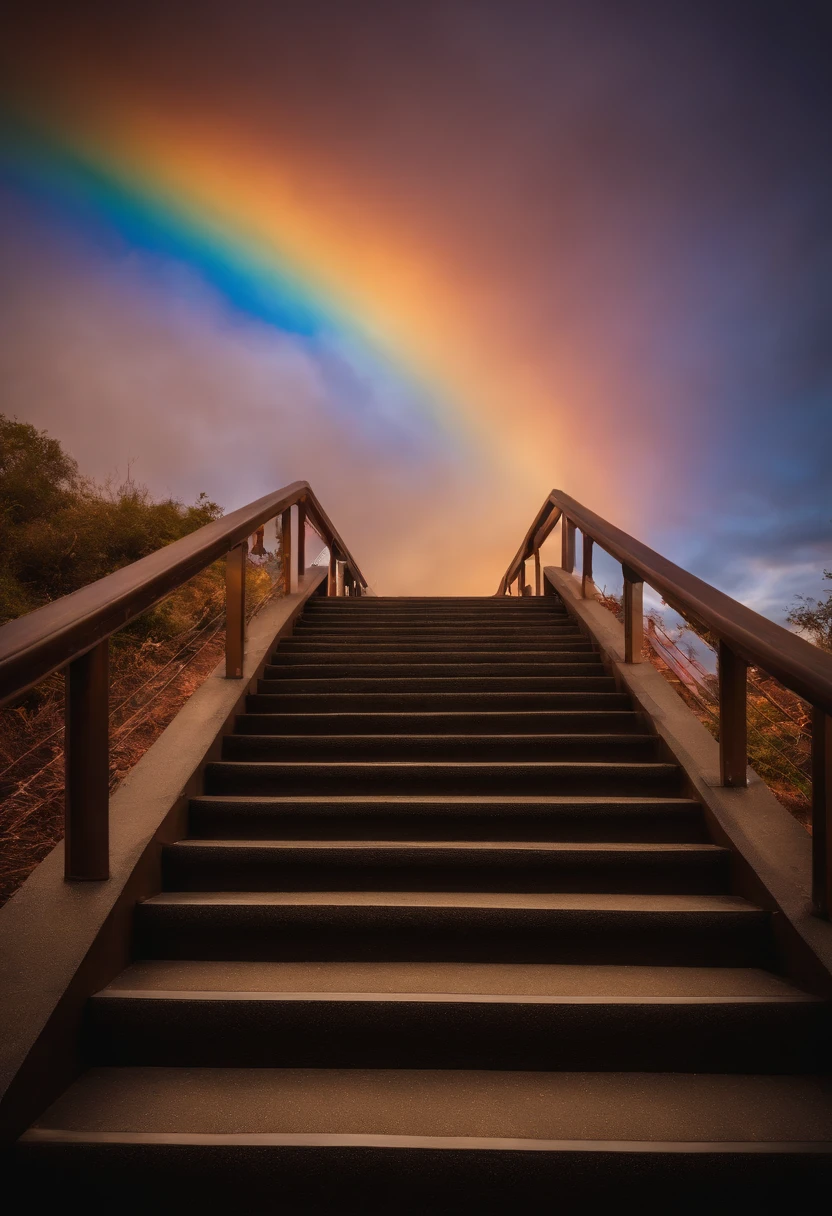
<point x="37" y="163"/>
<point x="252" y="239"/>
<point x="281" y="246"/>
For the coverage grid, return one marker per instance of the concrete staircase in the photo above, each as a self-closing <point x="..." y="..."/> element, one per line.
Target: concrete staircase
<point x="447" y="934"/>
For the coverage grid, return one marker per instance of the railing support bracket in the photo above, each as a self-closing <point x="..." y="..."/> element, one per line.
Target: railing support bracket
<point x="567" y="545"/>
<point x="587" y="584"/>
<point x="733" y="717"/>
<point x="301" y="539"/>
<point x="822" y="812"/>
<point x="87" y="765"/>
<point x="235" y="611"/>
<point x="633" y="616"/>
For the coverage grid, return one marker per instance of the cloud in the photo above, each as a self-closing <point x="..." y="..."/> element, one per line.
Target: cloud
<point x="136" y="365"/>
<point x="619" y="212"/>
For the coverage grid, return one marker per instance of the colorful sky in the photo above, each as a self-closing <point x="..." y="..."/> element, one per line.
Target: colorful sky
<point x="436" y="258"/>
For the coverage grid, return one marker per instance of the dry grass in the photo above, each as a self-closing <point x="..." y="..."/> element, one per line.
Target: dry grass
<point x="779" y="739"/>
<point x="150" y="682"/>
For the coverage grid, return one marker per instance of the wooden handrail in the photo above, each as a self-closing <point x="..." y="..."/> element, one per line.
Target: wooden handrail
<point x="745" y="639"/>
<point x="43" y="641"/>
<point x="74" y="633"/>
<point x="792" y="660"/>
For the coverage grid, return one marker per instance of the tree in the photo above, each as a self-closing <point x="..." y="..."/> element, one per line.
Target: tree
<point x="37" y="476"/>
<point x="813" y="618"/>
<point x="62" y="531"/>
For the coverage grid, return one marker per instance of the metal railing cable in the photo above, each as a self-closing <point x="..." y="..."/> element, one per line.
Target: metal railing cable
<point x="744" y="640"/>
<point x="73" y="633"/>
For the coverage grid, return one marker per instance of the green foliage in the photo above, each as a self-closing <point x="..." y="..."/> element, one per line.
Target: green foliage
<point x="62" y="532"/>
<point x="814" y="617"/>
<point x="59" y="532"/>
<point x="37" y="477"/>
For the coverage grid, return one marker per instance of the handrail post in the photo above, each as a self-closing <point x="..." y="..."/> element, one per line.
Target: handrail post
<point x="521" y="578"/>
<point x="330" y="582"/>
<point x="537" y="588"/>
<point x="821" y="811"/>
<point x="586" y="565"/>
<point x="633" y="616"/>
<point x="301" y="539"/>
<point x="235" y="611"/>
<point x="286" y="549"/>
<point x="567" y="543"/>
<point x="733" y="724"/>
<point x="87" y="766"/>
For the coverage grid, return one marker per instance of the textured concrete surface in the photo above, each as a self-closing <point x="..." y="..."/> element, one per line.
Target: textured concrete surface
<point x="701" y="905"/>
<point x="574" y="1106"/>
<point x="575" y="982"/>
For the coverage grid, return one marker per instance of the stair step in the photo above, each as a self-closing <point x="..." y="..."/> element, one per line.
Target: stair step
<point x="485" y="604"/>
<point x="409" y="616"/>
<point x="693" y="930"/>
<point x="536" y="630"/>
<point x="287" y="699"/>
<point x="661" y="820"/>
<point x="468" y="683"/>
<point x="441" y="632"/>
<point x="380" y="865"/>
<point x="448" y="722"/>
<point x="415" y="1141"/>
<point x="560" y="981"/>
<point x="509" y="749"/>
<point x="433" y="620"/>
<point x="481" y="612"/>
<point x="589" y="665"/>
<point x="539" y="623"/>
<point x="367" y="645"/>
<point x="440" y="777"/>
<point x="429" y="603"/>
<point x="384" y="1015"/>
<point x="381" y="601"/>
<point x="442" y="659"/>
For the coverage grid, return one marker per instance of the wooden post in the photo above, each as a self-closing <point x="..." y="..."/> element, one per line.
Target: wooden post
<point x="521" y="578"/>
<point x="330" y="583"/>
<point x="633" y="616"/>
<point x="286" y="548"/>
<point x="235" y="611"/>
<point x="567" y="545"/>
<point x="87" y="766"/>
<point x="586" y="566"/>
<point x="537" y="587"/>
<point x="733" y="728"/>
<point x="301" y="539"/>
<point x="821" y="811"/>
